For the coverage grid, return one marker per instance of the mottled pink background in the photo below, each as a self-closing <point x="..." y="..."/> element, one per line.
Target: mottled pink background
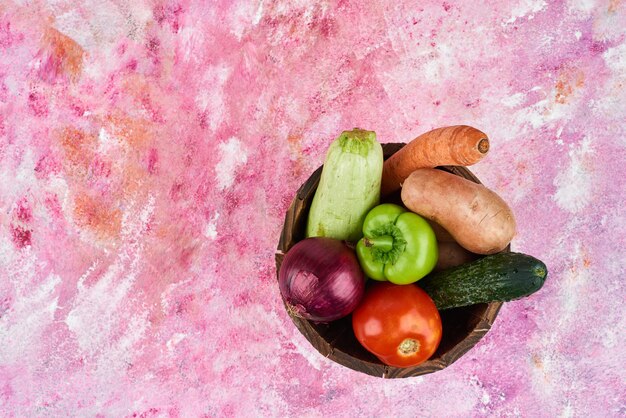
<point x="149" y="150"/>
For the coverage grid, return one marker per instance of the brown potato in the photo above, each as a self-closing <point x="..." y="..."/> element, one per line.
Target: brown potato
<point x="440" y="232"/>
<point x="476" y="217"/>
<point x="451" y="254"/>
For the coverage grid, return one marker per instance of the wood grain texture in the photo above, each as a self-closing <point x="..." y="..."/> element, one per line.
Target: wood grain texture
<point x="462" y="327"/>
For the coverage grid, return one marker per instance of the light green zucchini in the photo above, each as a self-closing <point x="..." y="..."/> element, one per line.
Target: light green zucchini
<point x="349" y="186"/>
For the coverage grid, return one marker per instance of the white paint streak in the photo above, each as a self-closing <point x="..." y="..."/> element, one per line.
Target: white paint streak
<point x="536" y="115"/>
<point x="173" y="342"/>
<point x="100" y="24"/>
<point x="568" y="411"/>
<point x="573" y="287"/>
<point x="73" y="25"/>
<point x="574" y="182"/>
<point x="545" y="111"/>
<point x="513" y="100"/>
<point x="106" y="143"/>
<point x="210" y="98"/>
<point x="245" y="16"/>
<point x="81" y="280"/>
<point x="15" y="180"/>
<point x="259" y="13"/>
<point x="119" y="353"/>
<point x="544" y="366"/>
<point x="167" y="293"/>
<point x="608" y="26"/>
<point x="526" y="7"/>
<point x="97" y="311"/>
<point x="13" y="86"/>
<point x="441" y="65"/>
<point x="146" y="214"/>
<point x="615" y="58"/>
<point x="306" y="350"/>
<point x="22" y="326"/>
<point x="94" y="315"/>
<point x="192" y="39"/>
<point x="233" y="154"/>
<point x="583" y="7"/>
<point x="210" y="231"/>
<point x="610" y="338"/>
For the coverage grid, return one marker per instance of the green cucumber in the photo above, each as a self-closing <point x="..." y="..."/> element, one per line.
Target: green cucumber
<point x="494" y="278"/>
<point x="349" y="186"/>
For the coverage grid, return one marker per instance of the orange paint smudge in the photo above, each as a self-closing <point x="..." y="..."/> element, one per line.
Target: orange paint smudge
<point x="613" y="5"/>
<point x="78" y="149"/>
<point x="97" y="216"/>
<point x="567" y="83"/>
<point x="134" y="180"/>
<point x="136" y="132"/>
<point x="145" y="96"/>
<point x="539" y="365"/>
<point x="63" y="56"/>
<point x="294" y="141"/>
<point x="537" y="361"/>
<point x="563" y="89"/>
<point x="139" y="135"/>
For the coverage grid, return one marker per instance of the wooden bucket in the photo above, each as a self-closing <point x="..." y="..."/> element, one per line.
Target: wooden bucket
<point x="462" y="327"/>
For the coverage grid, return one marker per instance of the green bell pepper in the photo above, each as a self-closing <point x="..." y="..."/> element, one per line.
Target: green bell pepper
<point x="397" y="245"/>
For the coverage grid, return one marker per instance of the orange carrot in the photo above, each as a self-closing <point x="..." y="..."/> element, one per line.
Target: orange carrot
<point x="452" y="145"/>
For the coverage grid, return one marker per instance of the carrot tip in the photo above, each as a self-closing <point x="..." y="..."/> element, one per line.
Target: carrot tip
<point x="483" y="146"/>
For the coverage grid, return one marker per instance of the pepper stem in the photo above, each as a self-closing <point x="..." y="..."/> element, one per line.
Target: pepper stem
<point x="383" y="243"/>
<point x="386" y="243"/>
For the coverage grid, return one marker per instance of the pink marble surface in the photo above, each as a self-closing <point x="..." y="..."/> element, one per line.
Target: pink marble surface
<point x="149" y="150"/>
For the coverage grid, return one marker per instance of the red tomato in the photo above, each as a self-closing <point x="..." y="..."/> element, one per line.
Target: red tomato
<point x="399" y="324"/>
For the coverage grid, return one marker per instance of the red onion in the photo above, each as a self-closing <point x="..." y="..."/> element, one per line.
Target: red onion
<point x="321" y="280"/>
